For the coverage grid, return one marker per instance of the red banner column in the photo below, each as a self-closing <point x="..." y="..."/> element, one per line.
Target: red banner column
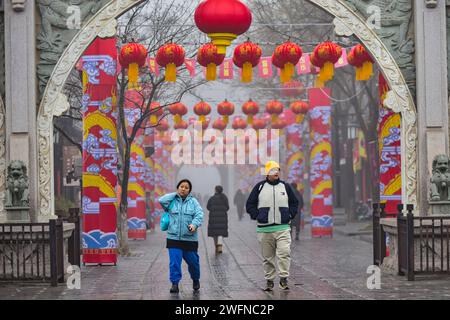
<point x="100" y="157"/>
<point x="321" y="163"/>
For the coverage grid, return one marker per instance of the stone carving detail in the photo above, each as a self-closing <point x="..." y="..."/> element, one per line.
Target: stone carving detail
<point x="17" y="194"/>
<point x="400" y="97"/>
<point x="18" y="5"/>
<point x="2" y="159"/>
<point x="59" y="25"/>
<point x="440" y="179"/>
<point x="2" y="55"/>
<point x="396" y="32"/>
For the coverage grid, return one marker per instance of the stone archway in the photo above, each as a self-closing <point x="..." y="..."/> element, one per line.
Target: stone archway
<point x="104" y="23"/>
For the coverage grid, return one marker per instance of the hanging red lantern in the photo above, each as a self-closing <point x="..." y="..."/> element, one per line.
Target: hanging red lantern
<point x="205" y="124"/>
<point x="178" y="110"/>
<point x="293" y="89"/>
<point x="360" y="58"/>
<point x="325" y="56"/>
<point x="220" y="125"/>
<point x="250" y="109"/>
<point x="132" y="57"/>
<point x="202" y="109"/>
<point x="279" y="124"/>
<point x="223" y="21"/>
<point x="286" y="57"/>
<point x="299" y="108"/>
<point x="170" y="56"/>
<point x="162" y="127"/>
<point x="225" y="109"/>
<point x="247" y="56"/>
<point x="274" y="108"/>
<point x="155" y="113"/>
<point x="181" y="125"/>
<point x="239" y="124"/>
<point x="209" y="58"/>
<point x="259" y="124"/>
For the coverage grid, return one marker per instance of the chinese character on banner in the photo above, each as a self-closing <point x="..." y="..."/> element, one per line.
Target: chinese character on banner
<point x="304" y="65"/>
<point x="190" y="66"/>
<point x="265" y="68"/>
<point x="226" y="69"/>
<point x="342" y="62"/>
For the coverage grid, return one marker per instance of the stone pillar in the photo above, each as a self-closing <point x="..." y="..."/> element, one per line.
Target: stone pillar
<point x="20" y="67"/>
<point x="432" y="100"/>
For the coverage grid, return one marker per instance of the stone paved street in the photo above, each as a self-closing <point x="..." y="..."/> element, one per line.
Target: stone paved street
<point x="321" y="269"/>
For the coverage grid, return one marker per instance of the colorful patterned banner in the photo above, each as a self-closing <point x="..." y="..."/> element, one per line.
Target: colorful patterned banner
<point x="389" y="138"/>
<point x="136" y="185"/>
<point x="321" y="163"/>
<point x="295" y="163"/>
<point x="100" y="156"/>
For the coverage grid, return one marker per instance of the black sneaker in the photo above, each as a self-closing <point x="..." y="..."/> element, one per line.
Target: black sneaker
<point x="174" y="289"/>
<point x="196" y="285"/>
<point x="269" y="285"/>
<point x="284" y="284"/>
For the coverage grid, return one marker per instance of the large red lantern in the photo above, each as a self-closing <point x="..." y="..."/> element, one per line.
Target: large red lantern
<point x="246" y="57"/>
<point x="326" y="55"/>
<point x="156" y="111"/>
<point x="259" y="124"/>
<point x="223" y="21"/>
<point x="299" y="108"/>
<point x="274" y="108"/>
<point x="202" y="109"/>
<point x="360" y="58"/>
<point x="250" y="109"/>
<point x="220" y="125"/>
<point x="209" y="58"/>
<point x="286" y="57"/>
<point x="178" y="110"/>
<point x="132" y="57"/>
<point x="170" y="56"/>
<point x="225" y="109"/>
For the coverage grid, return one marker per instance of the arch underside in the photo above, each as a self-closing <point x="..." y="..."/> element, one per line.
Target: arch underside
<point x="104" y="24"/>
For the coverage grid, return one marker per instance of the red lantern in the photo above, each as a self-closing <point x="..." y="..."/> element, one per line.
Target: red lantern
<point x="205" y="124"/>
<point x="182" y="125"/>
<point x="246" y="57"/>
<point x="155" y="112"/>
<point x="325" y="57"/>
<point x="202" y="109"/>
<point x="360" y="58"/>
<point x="293" y="89"/>
<point x="132" y="57"/>
<point x="250" y="109"/>
<point x="225" y="109"/>
<point x="279" y="124"/>
<point x="170" y="56"/>
<point x="209" y="58"/>
<point x="259" y="124"/>
<point x="274" y="108"/>
<point x="220" y="125"/>
<point x="286" y="57"/>
<point x="178" y="110"/>
<point x="223" y="21"/>
<point x="239" y="124"/>
<point x="162" y="127"/>
<point x="299" y="108"/>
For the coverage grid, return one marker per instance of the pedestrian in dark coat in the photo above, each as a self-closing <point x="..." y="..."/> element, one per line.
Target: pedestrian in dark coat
<point x="218" y="217"/>
<point x="239" y="202"/>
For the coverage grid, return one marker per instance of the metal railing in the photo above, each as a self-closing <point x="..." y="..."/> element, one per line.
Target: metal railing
<point x="423" y="242"/>
<point x="35" y="251"/>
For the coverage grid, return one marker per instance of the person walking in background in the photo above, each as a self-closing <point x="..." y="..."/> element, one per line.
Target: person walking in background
<point x="296" y="222"/>
<point x="273" y="204"/>
<point x="186" y="216"/>
<point x="239" y="202"/>
<point x="218" y="217"/>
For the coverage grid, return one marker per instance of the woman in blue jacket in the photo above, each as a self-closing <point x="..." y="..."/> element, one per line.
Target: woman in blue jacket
<point x="186" y="216"/>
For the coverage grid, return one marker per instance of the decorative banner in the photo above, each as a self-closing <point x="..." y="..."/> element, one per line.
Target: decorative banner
<point x="265" y="68"/>
<point x="136" y="185"/>
<point x="389" y="137"/>
<point x="100" y="157"/>
<point x="190" y="66"/>
<point x="321" y="163"/>
<point x="227" y="69"/>
<point x="295" y="163"/>
<point x="304" y="65"/>
<point x="149" y="176"/>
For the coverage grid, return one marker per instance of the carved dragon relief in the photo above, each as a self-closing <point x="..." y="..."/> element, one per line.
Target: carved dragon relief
<point x="399" y="98"/>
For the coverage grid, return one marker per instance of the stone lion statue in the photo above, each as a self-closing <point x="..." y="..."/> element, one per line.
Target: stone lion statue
<point x="440" y="179"/>
<point x="17" y="194"/>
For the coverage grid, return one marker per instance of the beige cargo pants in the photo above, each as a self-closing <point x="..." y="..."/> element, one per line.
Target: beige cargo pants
<point x="276" y="245"/>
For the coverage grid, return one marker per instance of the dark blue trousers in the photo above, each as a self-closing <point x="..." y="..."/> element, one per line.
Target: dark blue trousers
<point x="192" y="259"/>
